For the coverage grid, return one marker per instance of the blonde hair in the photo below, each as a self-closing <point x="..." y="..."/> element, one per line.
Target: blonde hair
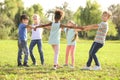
<point x="108" y="13"/>
<point x="76" y="33"/>
<point x="36" y="16"/>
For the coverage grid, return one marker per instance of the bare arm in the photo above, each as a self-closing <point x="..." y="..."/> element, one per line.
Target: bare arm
<point x="44" y="25"/>
<point x="89" y="27"/>
<point x="78" y="28"/>
<point x="66" y="26"/>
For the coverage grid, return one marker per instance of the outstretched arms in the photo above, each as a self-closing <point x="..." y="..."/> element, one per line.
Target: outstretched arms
<point x="79" y="28"/>
<point x="89" y="27"/>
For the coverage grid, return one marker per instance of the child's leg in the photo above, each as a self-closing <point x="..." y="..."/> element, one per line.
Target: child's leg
<point x="72" y="54"/>
<point x="56" y="53"/>
<point x="96" y="48"/>
<point x="90" y="56"/>
<point x="67" y="53"/>
<point x="19" y="58"/>
<point x="32" y="44"/>
<point x="26" y="51"/>
<point x="39" y="44"/>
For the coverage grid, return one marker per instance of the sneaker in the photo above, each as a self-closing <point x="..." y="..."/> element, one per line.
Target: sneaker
<point x="57" y="67"/>
<point x="86" y="68"/>
<point x="72" y="67"/>
<point x="26" y="65"/>
<point x="97" y="68"/>
<point x="19" y="64"/>
<point x="65" y="65"/>
<point x="35" y="64"/>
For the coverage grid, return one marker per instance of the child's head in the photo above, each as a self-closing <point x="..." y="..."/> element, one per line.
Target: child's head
<point x="71" y="23"/>
<point x="59" y="14"/>
<point x="24" y="18"/>
<point x="36" y="18"/>
<point x="105" y="16"/>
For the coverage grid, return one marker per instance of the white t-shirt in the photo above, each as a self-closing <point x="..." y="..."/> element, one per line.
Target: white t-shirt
<point x="37" y="34"/>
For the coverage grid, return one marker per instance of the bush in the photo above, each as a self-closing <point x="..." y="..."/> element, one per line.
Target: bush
<point x="4" y="33"/>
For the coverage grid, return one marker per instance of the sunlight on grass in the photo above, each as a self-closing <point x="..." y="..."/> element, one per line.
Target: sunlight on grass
<point x="109" y="57"/>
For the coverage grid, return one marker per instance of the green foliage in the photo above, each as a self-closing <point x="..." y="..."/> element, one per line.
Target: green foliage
<point x="112" y="32"/>
<point x="115" y="9"/>
<point x="91" y="14"/>
<point x="108" y="56"/>
<point x="6" y="26"/>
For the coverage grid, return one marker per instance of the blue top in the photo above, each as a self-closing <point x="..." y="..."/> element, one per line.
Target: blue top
<point x="22" y="32"/>
<point x="70" y="33"/>
<point x="55" y="33"/>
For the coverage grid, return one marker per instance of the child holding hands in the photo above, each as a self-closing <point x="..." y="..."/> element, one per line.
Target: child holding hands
<point x="99" y="40"/>
<point x="55" y="33"/>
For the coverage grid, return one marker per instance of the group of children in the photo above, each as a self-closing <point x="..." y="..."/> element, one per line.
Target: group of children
<point x="54" y="39"/>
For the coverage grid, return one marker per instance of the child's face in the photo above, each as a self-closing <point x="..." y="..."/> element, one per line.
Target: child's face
<point x="25" y="21"/>
<point x="35" y="19"/>
<point x="105" y="17"/>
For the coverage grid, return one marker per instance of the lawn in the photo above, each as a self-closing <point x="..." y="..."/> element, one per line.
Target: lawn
<point x="109" y="57"/>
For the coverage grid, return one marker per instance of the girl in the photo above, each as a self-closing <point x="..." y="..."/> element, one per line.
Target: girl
<point x="71" y="35"/>
<point x="55" y="33"/>
<point x="36" y="39"/>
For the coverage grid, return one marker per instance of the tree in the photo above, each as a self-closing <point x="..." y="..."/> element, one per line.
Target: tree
<point x="115" y="9"/>
<point x="91" y="14"/>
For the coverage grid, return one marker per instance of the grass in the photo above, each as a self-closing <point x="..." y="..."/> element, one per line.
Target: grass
<point x="109" y="57"/>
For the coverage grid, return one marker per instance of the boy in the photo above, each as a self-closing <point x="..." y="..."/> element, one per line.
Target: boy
<point x="98" y="41"/>
<point x="22" y="40"/>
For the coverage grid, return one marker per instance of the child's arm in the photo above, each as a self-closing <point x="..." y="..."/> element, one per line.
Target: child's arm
<point x="29" y="27"/>
<point x="74" y="27"/>
<point x="89" y="27"/>
<point x="43" y="26"/>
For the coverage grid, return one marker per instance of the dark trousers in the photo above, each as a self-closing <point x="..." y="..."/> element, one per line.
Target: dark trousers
<point x="39" y="45"/>
<point x="92" y="54"/>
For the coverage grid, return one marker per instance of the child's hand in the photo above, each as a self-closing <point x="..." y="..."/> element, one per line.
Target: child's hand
<point x="35" y="28"/>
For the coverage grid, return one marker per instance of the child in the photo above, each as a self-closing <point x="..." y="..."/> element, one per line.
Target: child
<point x="99" y="40"/>
<point x="36" y="39"/>
<point x="54" y="38"/>
<point x="71" y="35"/>
<point x="22" y="40"/>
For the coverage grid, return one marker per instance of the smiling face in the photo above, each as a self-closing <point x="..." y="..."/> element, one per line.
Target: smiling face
<point x="25" y="21"/>
<point x="105" y="16"/>
<point x="36" y="19"/>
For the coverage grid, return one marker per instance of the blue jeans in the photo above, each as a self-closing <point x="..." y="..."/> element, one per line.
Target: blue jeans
<point x="22" y="47"/>
<point x="39" y="45"/>
<point x="92" y="54"/>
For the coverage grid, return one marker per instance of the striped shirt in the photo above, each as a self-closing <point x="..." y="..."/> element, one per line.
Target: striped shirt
<point x="101" y="32"/>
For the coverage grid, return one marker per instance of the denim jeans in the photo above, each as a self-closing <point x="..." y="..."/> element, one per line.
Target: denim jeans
<point x="22" y="47"/>
<point x="92" y="54"/>
<point x="39" y="45"/>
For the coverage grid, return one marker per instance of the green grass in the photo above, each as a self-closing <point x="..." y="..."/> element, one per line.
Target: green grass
<point x="109" y="57"/>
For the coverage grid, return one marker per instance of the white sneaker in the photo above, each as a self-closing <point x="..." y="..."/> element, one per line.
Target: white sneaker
<point x="97" y="68"/>
<point x="86" y="68"/>
<point x="72" y="67"/>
